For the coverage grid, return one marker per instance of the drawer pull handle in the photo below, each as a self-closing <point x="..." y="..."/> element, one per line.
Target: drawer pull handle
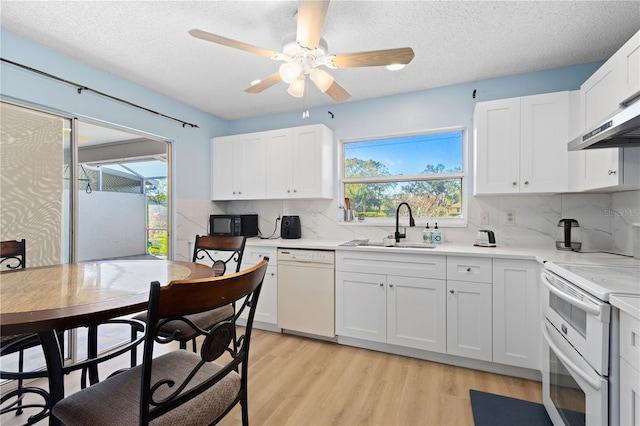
<point x="391" y="285"/>
<point x="612" y="172"/>
<point x="468" y="269"/>
<point x="451" y="291"/>
<point x="381" y="285"/>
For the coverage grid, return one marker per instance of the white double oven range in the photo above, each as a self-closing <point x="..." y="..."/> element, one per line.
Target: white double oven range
<point x="580" y="359"/>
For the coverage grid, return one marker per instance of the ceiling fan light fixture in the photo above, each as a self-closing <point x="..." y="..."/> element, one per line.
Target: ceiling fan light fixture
<point x="322" y="79"/>
<point x="296" y="88"/>
<point x="290" y="71"/>
<point x="395" y="67"/>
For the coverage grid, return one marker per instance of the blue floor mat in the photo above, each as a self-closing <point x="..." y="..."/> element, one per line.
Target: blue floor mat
<point x="496" y="410"/>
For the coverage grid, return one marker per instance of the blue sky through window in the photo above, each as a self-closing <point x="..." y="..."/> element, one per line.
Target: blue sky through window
<point x="410" y="155"/>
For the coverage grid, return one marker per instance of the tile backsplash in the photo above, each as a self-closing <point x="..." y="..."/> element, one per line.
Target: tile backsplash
<point x="605" y="220"/>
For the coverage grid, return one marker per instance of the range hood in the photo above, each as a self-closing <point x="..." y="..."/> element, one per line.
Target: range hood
<point x="621" y="130"/>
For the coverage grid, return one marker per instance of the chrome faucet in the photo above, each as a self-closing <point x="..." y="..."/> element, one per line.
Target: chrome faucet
<point x="411" y="221"/>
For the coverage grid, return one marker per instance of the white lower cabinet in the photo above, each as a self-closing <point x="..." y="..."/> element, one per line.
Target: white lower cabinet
<point x="629" y="394"/>
<point x="416" y="316"/>
<point x="404" y="311"/>
<point x="361" y="306"/>
<point x="469" y="319"/>
<point x="469" y="307"/>
<point x="400" y="300"/>
<point x="629" y="369"/>
<point x="474" y="307"/>
<point x="516" y="313"/>
<point x="267" y="309"/>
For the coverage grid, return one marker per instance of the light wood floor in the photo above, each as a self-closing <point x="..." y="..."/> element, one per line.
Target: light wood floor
<point x="300" y="381"/>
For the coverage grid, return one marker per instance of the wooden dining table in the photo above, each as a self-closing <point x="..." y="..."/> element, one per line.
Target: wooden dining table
<point x="45" y="299"/>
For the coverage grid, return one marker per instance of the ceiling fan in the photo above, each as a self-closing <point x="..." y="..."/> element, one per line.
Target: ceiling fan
<point x="304" y="54"/>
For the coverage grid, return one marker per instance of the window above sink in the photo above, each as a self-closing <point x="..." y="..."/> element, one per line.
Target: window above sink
<point x="426" y="169"/>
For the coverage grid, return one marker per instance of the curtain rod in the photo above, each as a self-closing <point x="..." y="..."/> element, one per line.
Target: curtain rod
<point x="81" y="88"/>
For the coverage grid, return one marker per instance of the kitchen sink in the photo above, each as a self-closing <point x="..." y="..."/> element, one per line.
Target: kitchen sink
<point x="401" y="244"/>
<point x="414" y="245"/>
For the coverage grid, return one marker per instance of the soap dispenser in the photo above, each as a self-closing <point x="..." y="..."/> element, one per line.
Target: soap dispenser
<point x="436" y="235"/>
<point x="427" y="235"/>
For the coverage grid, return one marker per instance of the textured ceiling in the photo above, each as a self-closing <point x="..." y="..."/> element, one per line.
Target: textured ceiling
<point x="146" y="42"/>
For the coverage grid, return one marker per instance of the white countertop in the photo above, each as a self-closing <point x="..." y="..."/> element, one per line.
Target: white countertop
<point x="541" y="255"/>
<point x="626" y="303"/>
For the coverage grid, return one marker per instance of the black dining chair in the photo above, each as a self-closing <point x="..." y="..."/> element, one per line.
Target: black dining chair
<point x="13" y="257"/>
<point x="179" y="387"/>
<point x="224" y="255"/>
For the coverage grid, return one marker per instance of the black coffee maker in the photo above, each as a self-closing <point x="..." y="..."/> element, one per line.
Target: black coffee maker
<point x="290" y="227"/>
<point x="568" y="236"/>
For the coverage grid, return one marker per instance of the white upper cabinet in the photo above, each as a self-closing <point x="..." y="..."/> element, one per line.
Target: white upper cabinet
<point x="275" y="164"/>
<point x="237" y="167"/>
<point x="604" y="94"/>
<point x="300" y="163"/>
<point x="278" y="157"/>
<point x="617" y="81"/>
<point x="312" y="174"/>
<point x="521" y="144"/>
<point x="222" y="172"/>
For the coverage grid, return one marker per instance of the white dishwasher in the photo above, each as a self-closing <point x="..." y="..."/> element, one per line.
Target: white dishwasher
<point x="306" y="291"/>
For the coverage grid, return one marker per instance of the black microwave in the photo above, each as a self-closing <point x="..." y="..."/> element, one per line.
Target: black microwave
<point x="233" y="225"/>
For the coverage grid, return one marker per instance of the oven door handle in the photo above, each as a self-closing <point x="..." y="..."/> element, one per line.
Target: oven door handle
<point x="567" y="298"/>
<point x="566" y="361"/>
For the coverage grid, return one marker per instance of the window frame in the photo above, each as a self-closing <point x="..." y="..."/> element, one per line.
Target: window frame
<point x="461" y="221"/>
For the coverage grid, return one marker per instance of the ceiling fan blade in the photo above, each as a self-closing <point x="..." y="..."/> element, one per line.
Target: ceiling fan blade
<point x="311" y="14"/>
<point x="264" y="84"/>
<point x="374" y="58"/>
<point x="203" y="35"/>
<point x="338" y="92"/>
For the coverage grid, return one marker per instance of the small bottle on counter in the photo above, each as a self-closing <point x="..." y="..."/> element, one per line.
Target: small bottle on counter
<point x="436" y="235"/>
<point x="427" y="235"/>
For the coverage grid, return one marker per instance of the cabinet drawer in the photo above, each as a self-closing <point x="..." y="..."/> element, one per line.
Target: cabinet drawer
<point x="404" y="265"/>
<point x="630" y="339"/>
<point x="476" y="269"/>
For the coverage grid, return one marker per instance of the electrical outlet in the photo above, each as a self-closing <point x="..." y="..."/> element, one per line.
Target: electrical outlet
<point x="511" y="217"/>
<point x="484" y="218"/>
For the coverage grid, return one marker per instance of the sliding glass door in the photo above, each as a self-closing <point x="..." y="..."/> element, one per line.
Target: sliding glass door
<point x="77" y="190"/>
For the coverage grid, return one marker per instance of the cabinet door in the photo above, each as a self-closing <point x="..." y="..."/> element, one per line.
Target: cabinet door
<point x="497" y="146"/>
<point x="627" y="67"/>
<point x="629" y="394"/>
<point x="267" y="309"/>
<point x="416" y="313"/>
<point x="598" y="96"/>
<point x="279" y="156"/>
<point x="312" y="162"/>
<point x="516" y="313"/>
<point x="543" y="143"/>
<point x="250" y="166"/>
<point x="602" y="168"/>
<point x="223" y="186"/>
<point x="469" y="328"/>
<point x="361" y="306"/>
